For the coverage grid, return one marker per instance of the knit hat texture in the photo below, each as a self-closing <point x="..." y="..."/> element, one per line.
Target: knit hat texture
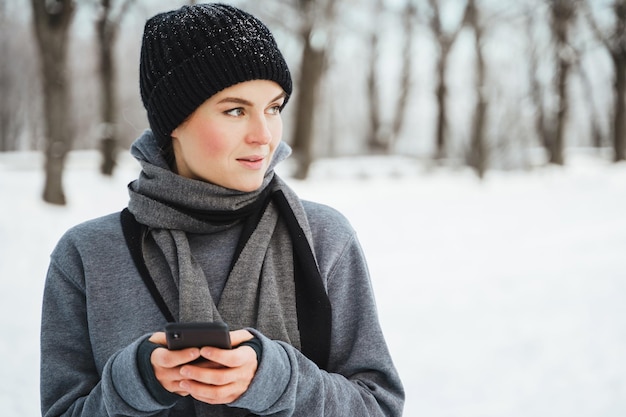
<point x="189" y="54"/>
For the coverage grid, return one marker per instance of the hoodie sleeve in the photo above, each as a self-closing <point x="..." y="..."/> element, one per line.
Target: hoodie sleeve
<point x="72" y="384"/>
<point x="361" y="379"/>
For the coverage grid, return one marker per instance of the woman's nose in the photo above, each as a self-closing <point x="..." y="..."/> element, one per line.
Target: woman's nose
<point x="259" y="131"/>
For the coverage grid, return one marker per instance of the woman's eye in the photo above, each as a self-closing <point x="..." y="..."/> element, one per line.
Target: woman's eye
<point x="235" y="112"/>
<point x="274" y="110"/>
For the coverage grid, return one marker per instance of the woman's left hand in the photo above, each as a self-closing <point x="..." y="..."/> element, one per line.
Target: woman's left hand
<point x="226" y="375"/>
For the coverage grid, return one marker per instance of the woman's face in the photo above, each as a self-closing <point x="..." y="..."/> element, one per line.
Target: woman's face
<point x="230" y="139"/>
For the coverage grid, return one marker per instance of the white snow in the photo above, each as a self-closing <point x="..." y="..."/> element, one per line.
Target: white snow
<point x="499" y="298"/>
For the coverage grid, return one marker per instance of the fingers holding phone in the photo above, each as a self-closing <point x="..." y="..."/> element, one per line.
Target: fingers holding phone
<point x="199" y="361"/>
<point x="183" y="341"/>
<point x="224" y="376"/>
<point x="167" y="363"/>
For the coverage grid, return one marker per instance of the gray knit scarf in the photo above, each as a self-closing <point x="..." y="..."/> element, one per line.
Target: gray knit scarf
<point x="260" y="290"/>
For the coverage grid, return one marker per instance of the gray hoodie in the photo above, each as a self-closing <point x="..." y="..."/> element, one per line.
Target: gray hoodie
<point x="97" y="312"/>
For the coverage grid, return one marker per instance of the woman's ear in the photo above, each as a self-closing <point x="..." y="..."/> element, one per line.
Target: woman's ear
<point x="175" y="133"/>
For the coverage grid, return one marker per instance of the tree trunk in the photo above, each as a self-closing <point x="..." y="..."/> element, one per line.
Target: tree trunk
<point x="52" y="21"/>
<point x="407" y="70"/>
<point x="542" y="126"/>
<point x="619" y="60"/>
<point x="316" y="36"/>
<point x="441" y="94"/>
<point x="563" y="12"/>
<point x="597" y="139"/>
<point x="615" y="43"/>
<point x="381" y="139"/>
<point x="107" y="27"/>
<point x="445" y="42"/>
<point x="619" y="122"/>
<point x="311" y="70"/>
<point x="105" y="31"/>
<point x="537" y="93"/>
<point x="557" y="149"/>
<point x="478" y="148"/>
<point x="375" y="142"/>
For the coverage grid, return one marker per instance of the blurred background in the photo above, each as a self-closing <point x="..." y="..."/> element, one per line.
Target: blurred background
<point x="488" y="84"/>
<point x="477" y="147"/>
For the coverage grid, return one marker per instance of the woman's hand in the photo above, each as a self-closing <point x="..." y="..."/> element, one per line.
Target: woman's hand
<point x="223" y="378"/>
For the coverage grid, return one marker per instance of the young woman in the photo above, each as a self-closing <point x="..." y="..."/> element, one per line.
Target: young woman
<point x="212" y="234"/>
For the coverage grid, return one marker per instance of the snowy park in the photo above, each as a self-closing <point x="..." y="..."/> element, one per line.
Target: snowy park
<point x="504" y="297"/>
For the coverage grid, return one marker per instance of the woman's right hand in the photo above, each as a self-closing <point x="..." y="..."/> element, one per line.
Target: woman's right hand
<point x="167" y="363"/>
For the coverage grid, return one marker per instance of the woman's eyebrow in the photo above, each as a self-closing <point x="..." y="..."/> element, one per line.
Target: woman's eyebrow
<point x="278" y="97"/>
<point x="235" y="100"/>
<point x="244" y="102"/>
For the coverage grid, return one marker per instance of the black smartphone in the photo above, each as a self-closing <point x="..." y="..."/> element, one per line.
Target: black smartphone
<point x="185" y="335"/>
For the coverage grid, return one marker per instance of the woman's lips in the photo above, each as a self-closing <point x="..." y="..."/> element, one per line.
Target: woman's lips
<point x="252" y="162"/>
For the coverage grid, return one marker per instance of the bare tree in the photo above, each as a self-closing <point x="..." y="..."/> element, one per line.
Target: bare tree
<point x="550" y="124"/>
<point x="10" y="120"/>
<point x="107" y="28"/>
<point x="543" y="123"/>
<point x="375" y="141"/>
<point x="20" y="102"/>
<point x="314" y="33"/>
<point x="445" y="40"/>
<point x="563" y="13"/>
<point x="381" y="139"/>
<point x="597" y="136"/>
<point x="477" y="157"/>
<point x="409" y="14"/>
<point x="615" y="43"/>
<point x="52" y="19"/>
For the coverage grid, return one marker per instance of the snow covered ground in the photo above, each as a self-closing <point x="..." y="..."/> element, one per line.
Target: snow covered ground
<point x="505" y="298"/>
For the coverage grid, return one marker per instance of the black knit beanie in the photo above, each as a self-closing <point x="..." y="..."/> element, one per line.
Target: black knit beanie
<point x="189" y="54"/>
